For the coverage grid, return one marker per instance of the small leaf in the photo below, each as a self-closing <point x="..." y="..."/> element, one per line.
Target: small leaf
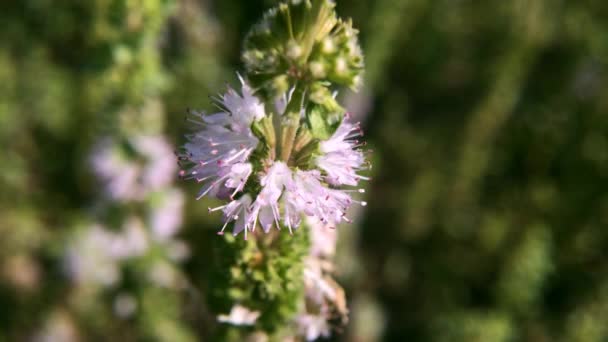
<point x="321" y="122"/>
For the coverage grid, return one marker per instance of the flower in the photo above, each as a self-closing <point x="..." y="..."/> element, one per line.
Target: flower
<point x="89" y="260"/>
<point x="266" y="205"/>
<point x="217" y="153"/>
<point x="94" y="256"/>
<point x="165" y="216"/>
<point x="322" y="239"/>
<point x="313" y="326"/>
<point x="325" y="300"/>
<point x="159" y="166"/>
<point x="340" y="158"/>
<point x="237" y="211"/>
<point x="221" y="157"/>
<point x="315" y="199"/>
<point x="296" y="193"/>
<point x="239" y="315"/>
<point x="131" y="176"/>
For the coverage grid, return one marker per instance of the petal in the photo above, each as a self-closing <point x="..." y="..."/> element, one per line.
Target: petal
<point x="266" y="218"/>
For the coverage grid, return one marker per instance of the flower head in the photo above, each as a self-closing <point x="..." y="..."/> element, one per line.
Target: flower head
<point x="220" y="156"/>
<point x="132" y="170"/>
<point x="340" y="158"/>
<point x="216" y="155"/>
<point x="93" y="256"/>
<point x="279" y="166"/>
<point x="237" y="211"/>
<point x="239" y="315"/>
<point x="266" y="206"/>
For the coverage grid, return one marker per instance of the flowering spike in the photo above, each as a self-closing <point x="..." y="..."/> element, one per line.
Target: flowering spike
<point x="286" y="151"/>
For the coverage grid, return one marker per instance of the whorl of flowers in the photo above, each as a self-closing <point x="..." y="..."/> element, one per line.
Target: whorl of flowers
<point x="139" y="216"/>
<point x="325" y="302"/>
<point x="219" y="152"/>
<point x="302" y="40"/>
<point x="132" y="169"/>
<point x="281" y="153"/>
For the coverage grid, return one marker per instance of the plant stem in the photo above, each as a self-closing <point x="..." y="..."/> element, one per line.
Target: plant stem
<point x="290" y="122"/>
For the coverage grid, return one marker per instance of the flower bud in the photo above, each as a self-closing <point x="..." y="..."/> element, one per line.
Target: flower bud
<point x="305" y="41"/>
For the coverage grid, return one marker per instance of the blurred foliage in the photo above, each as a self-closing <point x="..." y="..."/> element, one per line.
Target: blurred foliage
<point x="487" y="212"/>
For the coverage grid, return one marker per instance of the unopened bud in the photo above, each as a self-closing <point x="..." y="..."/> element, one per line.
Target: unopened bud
<point x="340" y="66"/>
<point x="328" y="46"/>
<point x="317" y="69"/>
<point x="294" y="50"/>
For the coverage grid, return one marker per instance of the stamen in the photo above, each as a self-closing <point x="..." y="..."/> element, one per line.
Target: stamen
<point x="217" y="208"/>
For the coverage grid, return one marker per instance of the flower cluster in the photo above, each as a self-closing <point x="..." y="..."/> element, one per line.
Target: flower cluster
<point x="302" y="39"/>
<point x="220" y="150"/>
<point x="138" y="171"/>
<point x="325" y="303"/>
<point x="219" y="156"/>
<point x="132" y="169"/>
<point x="94" y="254"/>
<point x="282" y="153"/>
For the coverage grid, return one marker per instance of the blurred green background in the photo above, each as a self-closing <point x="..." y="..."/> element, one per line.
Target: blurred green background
<point x="487" y="210"/>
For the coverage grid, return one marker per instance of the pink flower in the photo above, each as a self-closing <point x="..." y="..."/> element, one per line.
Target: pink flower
<point x="286" y="195"/>
<point x="315" y="199"/>
<point x="313" y="326"/>
<point x="217" y="154"/>
<point x="128" y="177"/>
<point x="238" y="211"/>
<point x="322" y="239"/>
<point x="220" y="156"/>
<point x="239" y="315"/>
<point x="165" y="217"/>
<point x="266" y="205"/>
<point x="340" y="158"/>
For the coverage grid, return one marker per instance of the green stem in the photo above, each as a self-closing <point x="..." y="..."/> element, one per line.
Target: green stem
<point x="290" y="122"/>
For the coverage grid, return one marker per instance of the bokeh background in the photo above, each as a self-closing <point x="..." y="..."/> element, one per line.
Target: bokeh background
<point x="488" y="209"/>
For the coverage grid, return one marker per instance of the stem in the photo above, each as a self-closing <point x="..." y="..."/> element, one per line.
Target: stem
<point x="290" y="123"/>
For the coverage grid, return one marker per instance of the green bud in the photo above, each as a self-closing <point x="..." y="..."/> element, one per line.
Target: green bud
<point x="317" y="69"/>
<point x="321" y="95"/>
<point x="342" y="52"/>
<point x="302" y="41"/>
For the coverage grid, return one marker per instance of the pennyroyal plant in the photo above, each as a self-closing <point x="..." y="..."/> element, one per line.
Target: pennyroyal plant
<point x="282" y="153"/>
<point x="282" y="157"/>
